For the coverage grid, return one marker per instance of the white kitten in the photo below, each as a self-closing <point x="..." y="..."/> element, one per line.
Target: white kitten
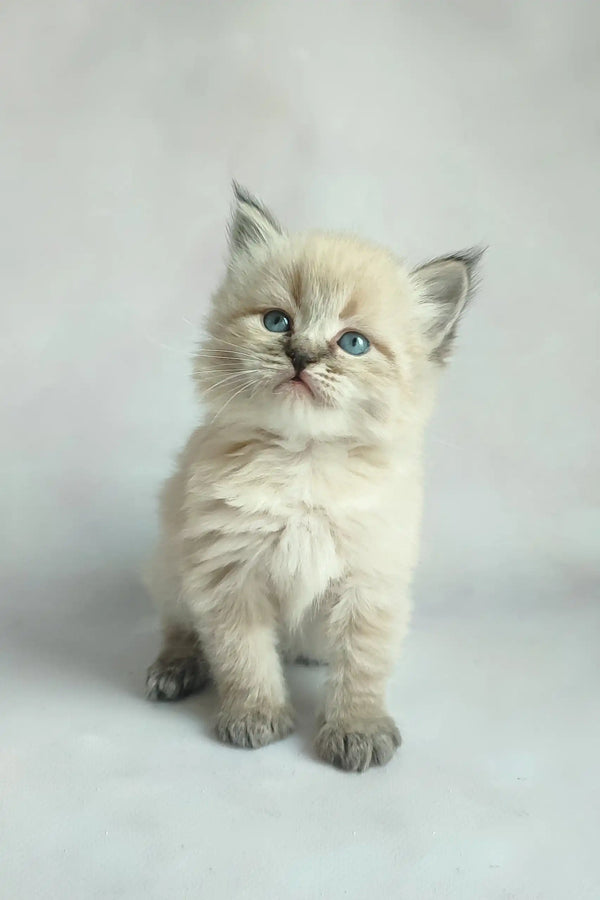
<point x="291" y="524"/>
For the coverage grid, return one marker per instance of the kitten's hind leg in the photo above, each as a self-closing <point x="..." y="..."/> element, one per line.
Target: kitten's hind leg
<point x="180" y="668"/>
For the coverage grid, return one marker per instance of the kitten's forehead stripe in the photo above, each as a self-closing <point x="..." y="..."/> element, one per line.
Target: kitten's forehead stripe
<point x="351" y="308"/>
<point x="296" y="283"/>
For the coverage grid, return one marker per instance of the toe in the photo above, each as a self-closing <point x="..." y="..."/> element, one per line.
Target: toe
<point x="253" y="728"/>
<point x="174" y="679"/>
<point x="356" y="748"/>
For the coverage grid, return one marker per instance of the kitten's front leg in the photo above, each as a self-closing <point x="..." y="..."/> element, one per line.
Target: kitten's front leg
<point x="239" y="638"/>
<point x="180" y="668"/>
<point x="356" y="730"/>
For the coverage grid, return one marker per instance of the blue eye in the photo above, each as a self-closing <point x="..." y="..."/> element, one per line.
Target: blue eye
<point x="354" y="343"/>
<point x="277" y="321"/>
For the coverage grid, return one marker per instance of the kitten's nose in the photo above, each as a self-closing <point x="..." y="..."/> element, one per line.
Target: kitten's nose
<point x="300" y="360"/>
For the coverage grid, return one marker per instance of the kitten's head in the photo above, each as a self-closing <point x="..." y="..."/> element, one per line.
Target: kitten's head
<point x="324" y="335"/>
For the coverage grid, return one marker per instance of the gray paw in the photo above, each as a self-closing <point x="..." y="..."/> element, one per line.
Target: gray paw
<point x="360" y="745"/>
<point x="254" y="728"/>
<point x="172" y="679"/>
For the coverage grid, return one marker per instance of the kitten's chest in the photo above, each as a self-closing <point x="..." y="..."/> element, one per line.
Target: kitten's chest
<point x="303" y="560"/>
<point x="300" y="509"/>
<point x="302" y="497"/>
<point x="304" y="556"/>
<point x="323" y="483"/>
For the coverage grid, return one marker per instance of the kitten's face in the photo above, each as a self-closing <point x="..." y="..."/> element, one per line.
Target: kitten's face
<point x="310" y="335"/>
<point x="318" y="334"/>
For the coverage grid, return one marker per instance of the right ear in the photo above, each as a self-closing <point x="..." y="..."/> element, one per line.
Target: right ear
<point x="252" y="224"/>
<point x="445" y="287"/>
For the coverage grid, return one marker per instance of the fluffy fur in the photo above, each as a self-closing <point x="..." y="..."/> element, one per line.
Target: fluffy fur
<point x="290" y="527"/>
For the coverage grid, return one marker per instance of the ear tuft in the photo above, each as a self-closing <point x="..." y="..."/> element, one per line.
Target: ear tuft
<point x="252" y="223"/>
<point x="446" y="285"/>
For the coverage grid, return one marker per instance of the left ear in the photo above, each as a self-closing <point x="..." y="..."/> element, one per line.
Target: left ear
<point x="445" y="287"/>
<point x="252" y="223"/>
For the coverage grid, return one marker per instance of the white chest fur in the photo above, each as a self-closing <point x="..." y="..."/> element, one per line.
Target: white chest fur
<point x="291" y="513"/>
<point x="296" y="494"/>
<point x="303" y="561"/>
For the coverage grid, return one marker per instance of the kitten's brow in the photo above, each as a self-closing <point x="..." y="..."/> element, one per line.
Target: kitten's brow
<point x="278" y="303"/>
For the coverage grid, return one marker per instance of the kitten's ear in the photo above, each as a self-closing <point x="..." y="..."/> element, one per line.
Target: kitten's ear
<point x="252" y="224"/>
<point x="445" y="287"/>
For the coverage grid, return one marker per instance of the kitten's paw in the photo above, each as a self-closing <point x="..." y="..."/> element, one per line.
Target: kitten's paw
<point x="255" y="727"/>
<point x="173" y="679"/>
<point x="356" y="746"/>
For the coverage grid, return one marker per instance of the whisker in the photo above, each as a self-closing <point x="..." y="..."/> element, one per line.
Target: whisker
<point x="156" y="343"/>
<point x="229" y="343"/>
<point x="201" y="373"/>
<point x="240" y="354"/>
<point x="236" y="347"/>
<point x="211" y="365"/>
<point x="227" y="368"/>
<point x="233" y="396"/>
<point x="228" y="360"/>
<point x="231" y="365"/>
<point x="230" y="378"/>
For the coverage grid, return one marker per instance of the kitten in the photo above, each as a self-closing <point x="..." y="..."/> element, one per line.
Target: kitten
<point x="290" y="527"/>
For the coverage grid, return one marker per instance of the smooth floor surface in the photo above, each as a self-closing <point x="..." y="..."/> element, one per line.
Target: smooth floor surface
<point x="428" y="127"/>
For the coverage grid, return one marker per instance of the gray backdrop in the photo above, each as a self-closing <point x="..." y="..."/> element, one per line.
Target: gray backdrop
<point x="430" y="127"/>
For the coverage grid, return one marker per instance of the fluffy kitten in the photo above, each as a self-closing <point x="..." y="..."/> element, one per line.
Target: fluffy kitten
<point x="290" y="527"/>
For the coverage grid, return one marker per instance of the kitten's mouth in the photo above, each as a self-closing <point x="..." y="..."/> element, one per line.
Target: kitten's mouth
<point x="299" y="385"/>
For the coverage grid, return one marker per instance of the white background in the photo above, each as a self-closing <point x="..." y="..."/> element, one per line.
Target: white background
<point x="427" y="126"/>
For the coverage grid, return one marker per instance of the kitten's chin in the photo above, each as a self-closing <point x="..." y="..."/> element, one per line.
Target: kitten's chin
<point x="292" y="412"/>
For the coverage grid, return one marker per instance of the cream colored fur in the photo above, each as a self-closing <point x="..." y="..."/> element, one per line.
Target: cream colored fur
<point x="290" y="527"/>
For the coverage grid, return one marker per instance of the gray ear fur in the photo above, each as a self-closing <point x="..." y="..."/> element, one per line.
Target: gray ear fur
<point x="252" y="224"/>
<point x="446" y="285"/>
